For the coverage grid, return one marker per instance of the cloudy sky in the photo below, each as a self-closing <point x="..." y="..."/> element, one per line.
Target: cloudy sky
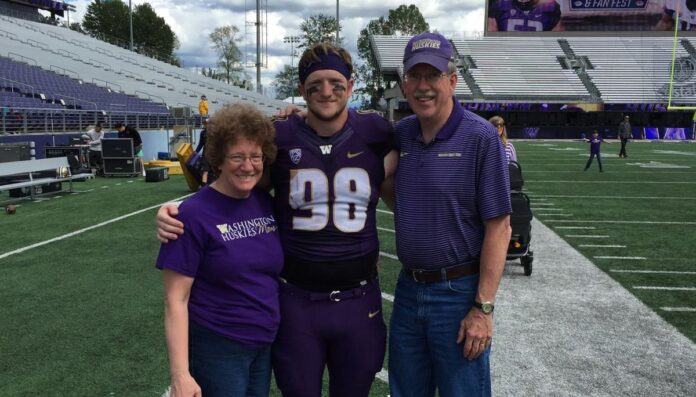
<point x="193" y="20"/>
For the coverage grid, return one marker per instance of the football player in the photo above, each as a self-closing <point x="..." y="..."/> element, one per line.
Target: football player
<point x="326" y="181"/>
<point x="687" y="15"/>
<point x="524" y="16"/>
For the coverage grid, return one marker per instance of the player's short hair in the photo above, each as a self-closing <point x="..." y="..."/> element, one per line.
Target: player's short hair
<point x="316" y="53"/>
<point x="236" y="121"/>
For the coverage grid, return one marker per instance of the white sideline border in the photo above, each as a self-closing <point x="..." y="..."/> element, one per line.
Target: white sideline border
<point x="80" y="231"/>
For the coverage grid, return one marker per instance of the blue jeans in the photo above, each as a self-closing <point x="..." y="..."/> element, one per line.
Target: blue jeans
<point x="223" y="367"/>
<point x="423" y="350"/>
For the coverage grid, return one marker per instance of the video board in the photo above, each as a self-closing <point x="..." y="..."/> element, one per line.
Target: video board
<point x="521" y="17"/>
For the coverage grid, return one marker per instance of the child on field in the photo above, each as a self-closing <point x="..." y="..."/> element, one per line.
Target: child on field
<point x="595" y="143"/>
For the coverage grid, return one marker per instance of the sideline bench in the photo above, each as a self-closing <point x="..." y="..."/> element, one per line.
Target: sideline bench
<point x="28" y="168"/>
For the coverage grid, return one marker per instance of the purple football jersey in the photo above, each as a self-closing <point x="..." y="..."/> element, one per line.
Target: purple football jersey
<point x="543" y="16"/>
<point x="326" y="189"/>
<point x="232" y="250"/>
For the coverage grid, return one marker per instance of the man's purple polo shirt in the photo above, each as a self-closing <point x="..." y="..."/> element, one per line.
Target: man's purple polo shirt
<point x="446" y="189"/>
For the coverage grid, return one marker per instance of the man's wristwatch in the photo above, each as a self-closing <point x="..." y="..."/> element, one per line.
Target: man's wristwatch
<point x="485" y="307"/>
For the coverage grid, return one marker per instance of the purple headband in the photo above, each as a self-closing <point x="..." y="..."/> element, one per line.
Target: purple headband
<point x="330" y="61"/>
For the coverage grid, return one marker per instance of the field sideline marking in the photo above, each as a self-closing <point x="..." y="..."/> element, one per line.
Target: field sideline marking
<point x="679" y="309"/>
<point x="652" y="287"/>
<point x="75" y="233"/>
<point x="603" y="246"/>
<point x="650" y="271"/>
<point x="586" y="236"/>
<point x="621" y="197"/>
<point x="638" y="258"/>
<point x="621" y="182"/>
<point x="628" y="222"/>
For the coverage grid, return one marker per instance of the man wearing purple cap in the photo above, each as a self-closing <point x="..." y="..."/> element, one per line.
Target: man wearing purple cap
<point x="326" y="180"/>
<point x="452" y="233"/>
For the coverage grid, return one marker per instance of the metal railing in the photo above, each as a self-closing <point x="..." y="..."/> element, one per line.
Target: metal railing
<point x="40" y="120"/>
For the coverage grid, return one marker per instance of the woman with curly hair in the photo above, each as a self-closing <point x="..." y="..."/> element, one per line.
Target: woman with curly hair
<point x="221" y="277"/>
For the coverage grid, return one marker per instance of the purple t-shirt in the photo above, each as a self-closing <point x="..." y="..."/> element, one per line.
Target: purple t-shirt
<point x="232" y="249"/>
<point x="446" y="189"/>
<point x="326" y="189"/>
<point x="595" y="144"/>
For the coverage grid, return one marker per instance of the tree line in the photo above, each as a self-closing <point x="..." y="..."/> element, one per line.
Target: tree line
<point x="108" y="20"/>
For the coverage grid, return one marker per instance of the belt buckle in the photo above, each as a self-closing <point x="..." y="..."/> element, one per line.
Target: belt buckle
<point x="333" y="296"/>
<point x="415" y="273"/>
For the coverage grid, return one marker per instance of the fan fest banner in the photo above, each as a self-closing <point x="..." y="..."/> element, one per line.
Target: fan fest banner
<point x="525" y="16"/>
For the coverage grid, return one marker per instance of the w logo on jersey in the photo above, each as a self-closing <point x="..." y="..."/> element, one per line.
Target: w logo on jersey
<point x="295" y="155"/>
<point x="325" y="149"/>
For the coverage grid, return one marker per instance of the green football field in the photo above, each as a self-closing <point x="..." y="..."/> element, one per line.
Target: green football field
<point x="81" y="303"/>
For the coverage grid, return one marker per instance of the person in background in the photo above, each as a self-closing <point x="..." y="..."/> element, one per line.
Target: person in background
<point x="93" y="138"/>
<point x="452" y="233"/>
<point x="221" y="277"/>
<point x="128" y="131"/>
<point x="205" y="167"/>
<point x="624" y="136"/>
<point x="499" y="125"/>
<point x="693" y="127"/>
<point x="203" y="106"/>
<point x="595" y="146"/>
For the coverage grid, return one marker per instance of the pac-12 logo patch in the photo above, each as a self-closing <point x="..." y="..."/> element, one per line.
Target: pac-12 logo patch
<point x="295" y="155"/>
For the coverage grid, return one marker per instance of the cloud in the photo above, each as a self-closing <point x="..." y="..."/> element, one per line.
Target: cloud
<point x="194" y="20"/>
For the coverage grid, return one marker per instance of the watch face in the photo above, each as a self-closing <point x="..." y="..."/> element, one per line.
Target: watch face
<point x="487" y="307"/>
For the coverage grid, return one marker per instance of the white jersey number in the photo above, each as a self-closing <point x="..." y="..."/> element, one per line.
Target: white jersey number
<point x="309" y="191"/>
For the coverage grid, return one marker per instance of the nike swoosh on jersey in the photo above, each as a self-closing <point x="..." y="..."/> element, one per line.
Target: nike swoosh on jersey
<point x="372" y="314"/>
<point x="352" y="155"/>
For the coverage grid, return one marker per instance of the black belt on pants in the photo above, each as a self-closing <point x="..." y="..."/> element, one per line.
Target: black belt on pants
<point x="361" y="289"/>
<point x="448" y="273"/>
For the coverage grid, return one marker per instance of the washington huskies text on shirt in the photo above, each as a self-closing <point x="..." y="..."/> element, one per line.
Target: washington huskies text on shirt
<point x="247" y="228"/>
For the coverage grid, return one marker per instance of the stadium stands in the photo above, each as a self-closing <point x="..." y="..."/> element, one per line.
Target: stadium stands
<point x="629" y="70"/>
<point x="613" y="70"/>
<point x="509" y="69"/>
<point x="89" y="74"/>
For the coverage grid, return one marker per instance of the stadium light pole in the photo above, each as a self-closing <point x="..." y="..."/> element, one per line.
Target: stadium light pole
<point x="338" y="25"/>
<point x="130" y="23"/>
<point x="292" y="40"/>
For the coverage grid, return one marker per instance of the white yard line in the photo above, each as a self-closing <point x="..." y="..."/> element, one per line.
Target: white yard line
<point x="622" y="182"/>
<point x="603" y="246"/>
<point x="387" y="297"/>
<point x="679" y="309"/>
<point x="623" y="222"/>
<point x="650" y="271"/>
<point x="535" y="208"/>
<point x="620" y="197"/>
<point x="575" y="227"/>
<point x="390" y="256"/>
<point x="586" y="236"/>
<point x="75" y="233"/>
<point x="383" y="375"/>
<point x="385" y="211"/>
<point x="384" y="229"/>
<point x="550" y="204"/>
<point x="559" y="215"/>
<point x="637" y="258"/>
<point x="656" y="288"/>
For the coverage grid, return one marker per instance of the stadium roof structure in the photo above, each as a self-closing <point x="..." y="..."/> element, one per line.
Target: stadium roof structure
<point x="560" y="70"/>
<point x="87" y="59"/>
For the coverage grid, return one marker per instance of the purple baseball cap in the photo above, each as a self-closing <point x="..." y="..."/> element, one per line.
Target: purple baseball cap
<point x="431" y="48"/>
